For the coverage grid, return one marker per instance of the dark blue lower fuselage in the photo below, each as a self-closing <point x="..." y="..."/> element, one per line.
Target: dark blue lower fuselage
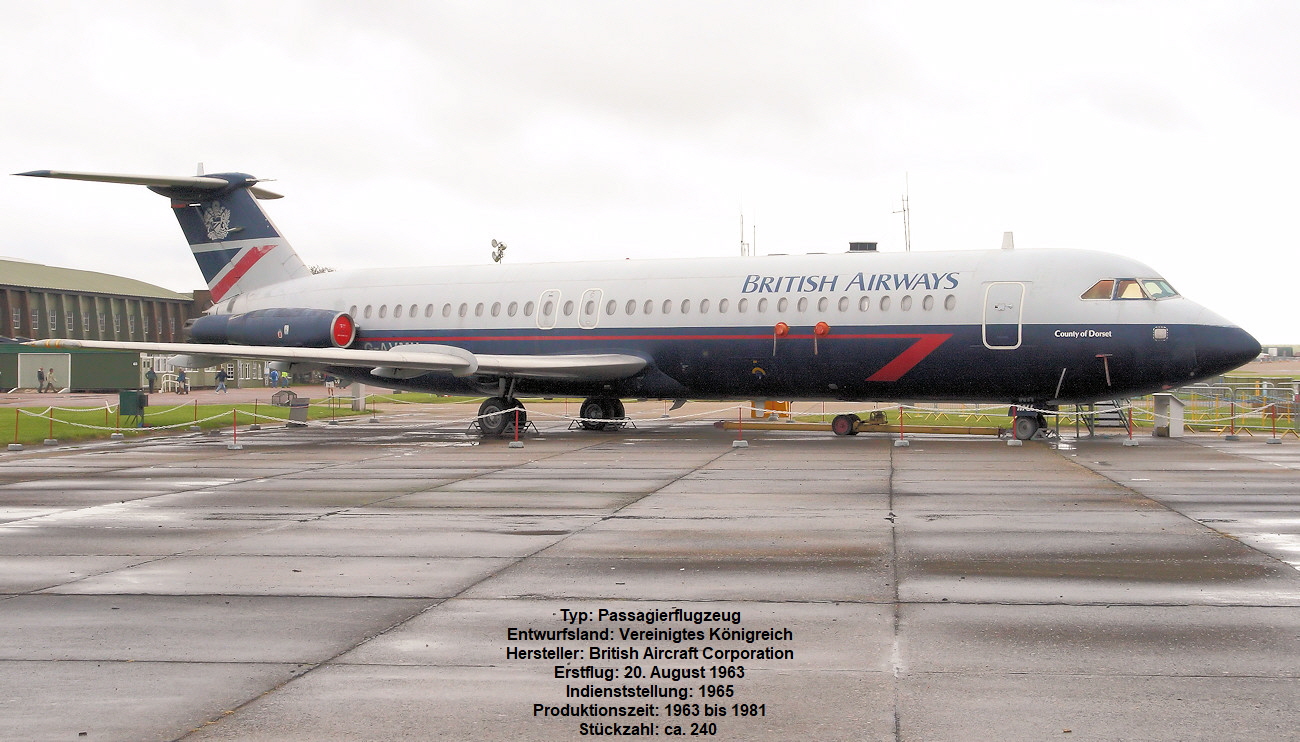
<point x="939" y="362"/>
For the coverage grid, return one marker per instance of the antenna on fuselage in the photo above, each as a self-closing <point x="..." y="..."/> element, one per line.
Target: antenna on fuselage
<point x="746" y="248"/>
<point x="907" y="216"/>
<point x="1008" y="241"/>
<point x="498" y="251"/>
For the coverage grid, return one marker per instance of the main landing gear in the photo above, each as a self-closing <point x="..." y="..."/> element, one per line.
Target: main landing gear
<point x="498" y="414"/>
<point x="596" y="410"/>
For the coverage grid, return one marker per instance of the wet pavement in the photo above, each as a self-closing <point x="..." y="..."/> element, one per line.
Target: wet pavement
<point x="362" y="581"/>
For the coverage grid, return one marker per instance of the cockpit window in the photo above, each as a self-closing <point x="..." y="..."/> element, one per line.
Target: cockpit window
<point x="1158" y="288"/>
<point x="1100" y="290"/>
<point x="1129" y="288"/>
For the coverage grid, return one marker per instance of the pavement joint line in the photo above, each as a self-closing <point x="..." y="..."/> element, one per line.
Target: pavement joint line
<point x="1208" y="526"/>
<point x="895" y="658"/>
<point x="422" y="610"/>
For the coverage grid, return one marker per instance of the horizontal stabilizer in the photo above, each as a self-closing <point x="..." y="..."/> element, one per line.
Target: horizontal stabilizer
<point x="193" y="182"/>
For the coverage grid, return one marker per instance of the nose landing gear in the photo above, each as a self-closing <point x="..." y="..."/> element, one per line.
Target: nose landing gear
<point x="1026" y="423"/>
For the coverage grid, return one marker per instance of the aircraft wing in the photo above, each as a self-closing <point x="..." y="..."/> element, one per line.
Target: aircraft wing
<point x="403" y="361"/>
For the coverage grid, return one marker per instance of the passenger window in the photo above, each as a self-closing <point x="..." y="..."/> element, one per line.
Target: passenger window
<point x="589" y="308"/>
<point x="803" y="304"/>
<point x="366" y="313"/>
<point x="397" y="312"/>
<point x="1158" y="288"/>
<point x="822" y="303"/>
<point x="611" y="307"/>
<point x="686" y="306"/>
<point x="762" y="304"/>
<point x="864" y="303"/>
<point x="383" y="311"/>
<point x="906" y="303"/>
<point x="1100" y="290"/>
<point x="528" y="309"/>
<point x="446" y="310"/>
<point x="722" y="306"/>
<point x="950" y="302"/>
<point x="513" y="309"/>
<point x="478" y="309"/>
<point x="649" y="306"/>
<point x="742" y="306"/>
<point x="927" y="303"/>
<point x="547" y="308"/>
<point x="568" y="308"/>
<point x="496" y="309"/>
<point x="464" y="309"/>
<point x="428" y="310"/>
<point x="413" y="310"/>
<point x="630" y="309"/>
<point x="668" y="306"/>
<point x="884" y="303"/>
<point x="783" y="304"/>
<point x="1128" y="288"/>
<point x="704" y="306"/>
<point x="352" y="311"/>
<point x="844" y="303"/>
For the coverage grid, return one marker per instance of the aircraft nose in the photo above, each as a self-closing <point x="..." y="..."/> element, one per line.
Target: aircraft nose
<point x="1221" y="349"/>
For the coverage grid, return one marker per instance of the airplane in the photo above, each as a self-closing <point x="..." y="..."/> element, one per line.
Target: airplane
<point x="1032" y="328"/>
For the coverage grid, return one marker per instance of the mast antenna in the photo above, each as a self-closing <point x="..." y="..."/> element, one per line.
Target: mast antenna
<point x="906" y="211"/>
<point x="746" y="248"/>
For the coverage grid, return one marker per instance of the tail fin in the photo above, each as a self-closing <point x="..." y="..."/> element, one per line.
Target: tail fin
<point x="234" y="242"/>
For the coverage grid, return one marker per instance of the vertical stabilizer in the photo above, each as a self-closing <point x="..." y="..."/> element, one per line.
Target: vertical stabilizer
<point x="233" y="241"/>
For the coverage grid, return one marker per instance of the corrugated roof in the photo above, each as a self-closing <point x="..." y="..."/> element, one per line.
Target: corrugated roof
<point x="22" y="274"/>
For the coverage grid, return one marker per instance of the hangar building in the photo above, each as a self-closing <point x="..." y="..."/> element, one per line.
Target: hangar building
<point x="41" y="301"/>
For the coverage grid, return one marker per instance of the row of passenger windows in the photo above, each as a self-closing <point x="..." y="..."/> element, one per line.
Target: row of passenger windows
<point x="1130" y="288"/>
<point x="649" y="306"/>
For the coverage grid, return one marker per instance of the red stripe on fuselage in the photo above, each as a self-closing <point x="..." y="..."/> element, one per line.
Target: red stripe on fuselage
<point x="905" y="361"/>
<point x="238" y="270"/>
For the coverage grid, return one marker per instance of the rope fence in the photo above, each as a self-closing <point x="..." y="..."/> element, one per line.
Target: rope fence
<point x="1251" y="420"/>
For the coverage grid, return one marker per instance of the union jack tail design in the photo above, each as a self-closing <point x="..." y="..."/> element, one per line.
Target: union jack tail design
<point x="234" y="242"/>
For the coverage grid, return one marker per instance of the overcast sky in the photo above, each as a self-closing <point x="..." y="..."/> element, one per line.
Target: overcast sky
<point x="417" y="132"/>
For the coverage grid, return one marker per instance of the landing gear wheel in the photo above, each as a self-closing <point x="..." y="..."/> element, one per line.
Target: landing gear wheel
<point x="845" y="425"/>
<point x="613" y="408"/>
<point x="493" y="418"/>
<point x="593" y="413"/>
<point x="1025" y="427"/>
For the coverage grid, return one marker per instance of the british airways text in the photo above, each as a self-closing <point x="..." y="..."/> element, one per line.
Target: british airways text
<point x="757" y="284"/>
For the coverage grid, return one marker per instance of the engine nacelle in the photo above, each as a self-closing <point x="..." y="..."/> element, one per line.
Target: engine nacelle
<point x="283" y="327"/>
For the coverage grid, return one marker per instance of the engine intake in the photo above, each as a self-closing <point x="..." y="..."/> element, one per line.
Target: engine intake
<point x="283" y="327"/>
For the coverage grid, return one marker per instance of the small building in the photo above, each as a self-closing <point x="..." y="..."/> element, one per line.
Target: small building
<point x="78" y="369"/>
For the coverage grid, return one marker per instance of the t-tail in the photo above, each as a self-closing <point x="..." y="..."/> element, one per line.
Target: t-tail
<point x="234" y="242"/>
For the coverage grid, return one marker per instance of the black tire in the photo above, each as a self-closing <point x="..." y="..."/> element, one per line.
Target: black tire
<point x="592" y="413"/>
<point x="845" y="425"/>
<point x="493" y="419"/>
<point x="613" y="408"/>
<point x="1025" y="427"/>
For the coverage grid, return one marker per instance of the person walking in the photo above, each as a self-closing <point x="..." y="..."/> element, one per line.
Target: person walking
<point x="40" y="379"/>
<point x="221" y="381"/>
<point x="151" y="376"/>
<point x="49" y="381"/>
<point x="182" y="382"/>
